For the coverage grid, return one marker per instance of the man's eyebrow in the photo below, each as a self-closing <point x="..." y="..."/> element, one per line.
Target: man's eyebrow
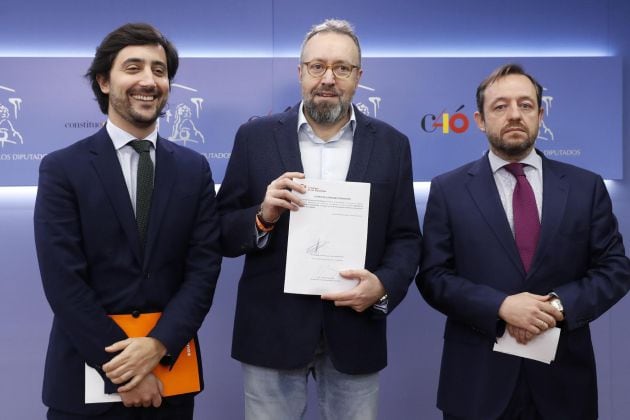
<point x="133" y="60"/>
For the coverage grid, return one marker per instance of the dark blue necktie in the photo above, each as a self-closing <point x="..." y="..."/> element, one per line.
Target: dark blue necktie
<point x="144" y="185"/>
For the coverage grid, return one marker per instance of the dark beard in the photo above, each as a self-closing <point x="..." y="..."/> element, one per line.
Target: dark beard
<point x="515" y="151"/>
<point x="125" y="109"/>
<point x="325" y="113"/>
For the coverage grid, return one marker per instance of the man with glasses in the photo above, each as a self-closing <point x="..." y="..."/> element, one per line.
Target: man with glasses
<point x="280" y="338"/>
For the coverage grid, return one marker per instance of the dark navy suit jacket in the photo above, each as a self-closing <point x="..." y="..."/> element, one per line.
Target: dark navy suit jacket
<point x="279" y="330"/>
<point x="471" y="264"/>
<point x="92" y="263"/>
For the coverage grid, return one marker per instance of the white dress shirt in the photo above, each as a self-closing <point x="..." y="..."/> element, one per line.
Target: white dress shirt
<point x="128" y="157"/>
<point x="321" y="159"/>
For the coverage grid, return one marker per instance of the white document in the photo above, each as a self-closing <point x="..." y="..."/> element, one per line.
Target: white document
<point x="95" y="388"/>
<point x="542" y="347"/>
<point x="327" y="235"/>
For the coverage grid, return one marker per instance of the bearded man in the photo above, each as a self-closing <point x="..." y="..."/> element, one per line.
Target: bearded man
<point x="516" y="244"/>
<point x="340" y="337"/>
<point x="125" y="224"/>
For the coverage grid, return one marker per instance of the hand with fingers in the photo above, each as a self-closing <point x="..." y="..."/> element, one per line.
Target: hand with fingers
<point x="137" y="358"/>
<point x="361" y="297"/>
<point x="147" y="393"/>
<point x="281" y="196"/>
<point x="521" y="335"/>
<point x="528" y="315"/>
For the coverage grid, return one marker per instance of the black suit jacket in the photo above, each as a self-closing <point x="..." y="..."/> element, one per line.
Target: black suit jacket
<point x="92" y="264"/>
<point x="471" y="264"/>
<point x="279" y="330"/>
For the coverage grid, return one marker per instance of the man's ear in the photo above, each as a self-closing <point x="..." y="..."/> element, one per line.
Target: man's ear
<point x="103" y="83"/>
<point x="480" y="122"/>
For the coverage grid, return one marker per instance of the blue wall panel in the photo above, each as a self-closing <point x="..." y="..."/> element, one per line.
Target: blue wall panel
<point x="396" y="28"/>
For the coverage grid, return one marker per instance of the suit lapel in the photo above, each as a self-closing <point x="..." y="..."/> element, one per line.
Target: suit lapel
<point x="483" y="191"/>
<point x="362" y="144"/>
<point x="165" y="175"/>
<point x="286" y="138"/>
<point x="555" y="193"/>
<point x="107" y="167"/>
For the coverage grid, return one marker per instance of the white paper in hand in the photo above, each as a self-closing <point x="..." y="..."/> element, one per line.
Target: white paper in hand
<point x="327" y="235"/>
<point x="542" y="347"/>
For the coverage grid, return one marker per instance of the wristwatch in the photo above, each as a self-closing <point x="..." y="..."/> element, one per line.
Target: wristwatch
<point x="557" y="303"/>
<point x="381" y="304"/>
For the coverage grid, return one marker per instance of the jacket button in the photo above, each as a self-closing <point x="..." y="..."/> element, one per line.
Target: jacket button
<point x="135" y="314"/>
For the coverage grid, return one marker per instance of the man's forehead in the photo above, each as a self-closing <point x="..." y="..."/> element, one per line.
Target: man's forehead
<point x="331" y="43"/>
<point x="148" y="52"/>
<point x="513" y="85"/>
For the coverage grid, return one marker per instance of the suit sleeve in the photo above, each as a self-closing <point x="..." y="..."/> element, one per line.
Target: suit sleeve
<point x="187" y="309"/>
<point x="237" y="207"/>
<point x="607" y="278"/>
<point x="64" y="269"/>
<point x="403" y="239"/>
<point x="476" y="305"/>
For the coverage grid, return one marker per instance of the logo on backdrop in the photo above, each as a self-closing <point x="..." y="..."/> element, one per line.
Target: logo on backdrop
<point x="446" y="122"/>
<point x="10" y="107"/>
<point x="547" y="136"/>
<point x="182" y="120"/>
<point x="546" y="133"/>
<point x="374" y="101"/>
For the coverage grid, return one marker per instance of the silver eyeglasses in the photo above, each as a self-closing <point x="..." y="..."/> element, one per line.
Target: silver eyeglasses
<point x="340" y="70"/>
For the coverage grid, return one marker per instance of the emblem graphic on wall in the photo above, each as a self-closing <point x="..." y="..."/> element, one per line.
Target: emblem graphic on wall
<point x="9" y="133"/>
<point x="545" y="133"/>
<point x="374" y="100"/>
<point x="182" y="121"/>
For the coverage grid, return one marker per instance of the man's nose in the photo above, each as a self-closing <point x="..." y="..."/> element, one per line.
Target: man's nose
<point x="147" y="78"/>
<point x="328" y="77"/>
<point x="514" y="112"/>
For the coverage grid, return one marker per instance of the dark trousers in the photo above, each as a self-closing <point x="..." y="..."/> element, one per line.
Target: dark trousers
<point x="520" y="407"/>
<point x="182" y="410"/>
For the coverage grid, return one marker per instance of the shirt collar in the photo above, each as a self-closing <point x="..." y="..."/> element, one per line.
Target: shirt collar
<point x="120" y="137"/>
<point x="302" y="122"/>
<point x="533" y="159"/>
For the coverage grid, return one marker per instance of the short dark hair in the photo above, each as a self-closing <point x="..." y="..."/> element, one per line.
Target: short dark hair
<point x="501" y="72"/>
<point x="128" y="34"/>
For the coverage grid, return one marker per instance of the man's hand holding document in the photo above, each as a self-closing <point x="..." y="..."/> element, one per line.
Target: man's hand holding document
<point x="327" y="235"/>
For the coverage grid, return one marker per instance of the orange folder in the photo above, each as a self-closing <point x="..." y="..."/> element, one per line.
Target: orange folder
<point x="184" y="377"/>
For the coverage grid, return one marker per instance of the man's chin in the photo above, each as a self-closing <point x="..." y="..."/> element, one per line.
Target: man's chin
<point x="517" y="150"/>
<point x="513" y="136"/>
<point x="323" y="104"/>
<point x="517" y="142"/>
<point x="149" y="115"/>
<point x="144" y="120"/>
